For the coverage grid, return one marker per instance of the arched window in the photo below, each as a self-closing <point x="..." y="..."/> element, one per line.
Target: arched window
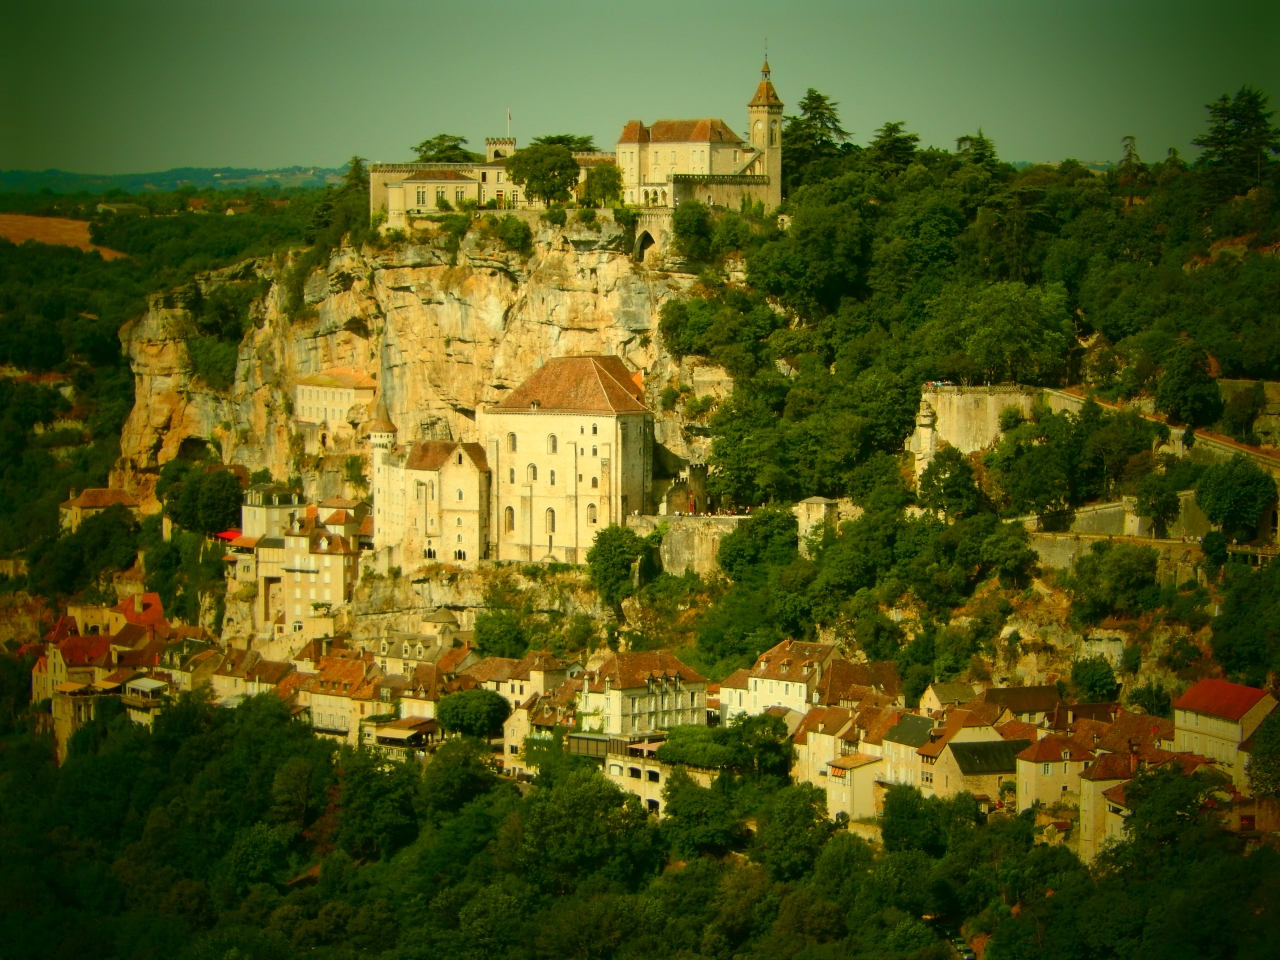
<point x="594" y="430"/>
<point x="593" y="452"/>
<point x="459" y="458"/>
<point x="459" y="523"/>
<point x="773" y="133"/>
<point x="459" y="538"/>
<point x="552" y="444"/>
<point x="459" y="494"/>
<point x="551" y="521"/>
<point x="511" y="475"/>
<point x="757" y="133"/>
<point x="509" y="519"/>
<point x="532" y="473"/>
<point x="431" y="490"/>
<point x="511" y="442"/>
<point x="552" y="478"/>
<point x="595" y="483"/>
<point x="591" y="513"/>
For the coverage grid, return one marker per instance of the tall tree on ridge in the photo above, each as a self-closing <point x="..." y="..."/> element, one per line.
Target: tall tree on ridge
<point x="1241" y="141"/>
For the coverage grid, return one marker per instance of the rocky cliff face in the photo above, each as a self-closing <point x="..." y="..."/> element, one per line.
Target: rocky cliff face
<point x="441" y="339"/>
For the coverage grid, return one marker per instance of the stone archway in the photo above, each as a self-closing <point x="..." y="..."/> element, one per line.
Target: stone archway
<point x="643" y="242"/>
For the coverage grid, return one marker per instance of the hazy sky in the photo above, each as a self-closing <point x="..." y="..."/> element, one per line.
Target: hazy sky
<point x="115" y="86"/>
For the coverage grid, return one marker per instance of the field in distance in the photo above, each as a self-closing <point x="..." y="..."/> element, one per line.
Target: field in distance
<point x="18" y="228"/>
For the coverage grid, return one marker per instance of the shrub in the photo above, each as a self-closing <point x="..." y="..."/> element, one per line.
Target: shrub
<point x="474" y="713"/>
<point x="555" y="216"/>
<point x="1094" y="680"/>
<point x="1234" y="494"/>
<point x="626" y="218"/>
<point x="213" y="361"/>
<point x="515" y="234"/>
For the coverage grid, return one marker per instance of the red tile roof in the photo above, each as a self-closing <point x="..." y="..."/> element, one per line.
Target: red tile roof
<point x="792" y="660"/>
<point x="592" y="384"/>
<point x="626" y="671"/>
<point x="434" y="454"/>
<point x="1055" y="747"/>
<point x="736" y="680"/>
<point x="431" y="176"/>
<point x="82" y="651"/>
<point x="65" y="627"/>
<point x="99" y="498"/>
<point x="1220" y="698"/>
<point x="679" y="131"/>
<point x="152" y="612"/>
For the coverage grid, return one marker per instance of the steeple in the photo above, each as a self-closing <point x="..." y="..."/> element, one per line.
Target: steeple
<point x="764" y="114"/>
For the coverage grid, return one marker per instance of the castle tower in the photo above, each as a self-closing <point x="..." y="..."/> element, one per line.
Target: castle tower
<point x="764" y="114"/>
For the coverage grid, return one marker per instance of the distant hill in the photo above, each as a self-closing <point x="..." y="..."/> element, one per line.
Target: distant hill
<point x="229" y="178"/>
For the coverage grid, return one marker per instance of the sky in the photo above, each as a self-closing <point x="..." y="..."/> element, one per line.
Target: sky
<point x="126" y="86"/>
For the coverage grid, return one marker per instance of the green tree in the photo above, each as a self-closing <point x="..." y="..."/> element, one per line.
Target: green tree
<point x="501" y="633"/>
<point x="947" y="485"/>
<point x="1151" y="697"/>
<point x="1009" y="331"/>
<point x="446" y="148"/>
<point x="220" y="500"/>
<point x="570" y="141"/>
<point x="1234" y="494"/>
<point x="1094" y="680"/>
<point x="611" y="559"/>
<point x="604" y="184"/>
<point x="586" y="827"/>
<point x="693" y="231"/>
<point x="547" y="173"/>
<point x="375" y="804"/>
<point x="1263" y="766"/>
<point x="1113" y="579"/>
<point x="474" y="713"/>
<point x="812" y="142"/>
<point x="1158" y="501"/>
<point x="460" y="771"/>
<point x="793" y="829"/>
<point x="1241" y="142"/>
<point x="892" y="149"/>
<point x="700" y="820"/>
<point x="1186" y="392"/>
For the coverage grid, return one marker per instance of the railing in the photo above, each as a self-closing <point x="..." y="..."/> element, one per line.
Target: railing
<point x="742" y="179"/>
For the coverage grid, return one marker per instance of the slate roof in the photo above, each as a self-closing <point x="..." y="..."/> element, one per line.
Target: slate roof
<point x="1220" y="698"/>
<point x="988" y="756"/>
<point x="911" y="730"/>
<point x="590" y="384"/>
<point x="952" y="692"/>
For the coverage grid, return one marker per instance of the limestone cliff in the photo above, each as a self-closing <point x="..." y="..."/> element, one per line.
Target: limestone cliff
<point x="441" y="339"/>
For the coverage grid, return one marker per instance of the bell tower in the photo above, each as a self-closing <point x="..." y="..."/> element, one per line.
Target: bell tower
<point x="764" y="114"/>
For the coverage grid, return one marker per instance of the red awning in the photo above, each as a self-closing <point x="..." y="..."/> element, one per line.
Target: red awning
<point x="229" y="535"/>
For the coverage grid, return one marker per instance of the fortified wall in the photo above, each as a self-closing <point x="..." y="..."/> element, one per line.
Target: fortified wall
<point x="690" y="543"/>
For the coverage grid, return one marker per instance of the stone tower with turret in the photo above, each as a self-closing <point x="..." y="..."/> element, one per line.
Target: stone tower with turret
<point x="764" y="114"/>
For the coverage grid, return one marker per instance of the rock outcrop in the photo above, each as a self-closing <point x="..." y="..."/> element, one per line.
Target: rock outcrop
<point x="441" y="338"/>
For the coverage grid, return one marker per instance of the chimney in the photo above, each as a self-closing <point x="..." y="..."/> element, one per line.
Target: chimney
<point x="73" y="494"/>
<point x="138" y="606"/>
<point x="1133" y="757"/>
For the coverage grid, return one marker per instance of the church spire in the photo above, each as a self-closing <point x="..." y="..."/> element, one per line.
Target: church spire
<point x="764" y="71"/>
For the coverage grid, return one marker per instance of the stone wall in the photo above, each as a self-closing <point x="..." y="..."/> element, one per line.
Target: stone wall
<point x="690" y="543"/>
<point x="1178" y="562"/>
<point x="969" y="417"/>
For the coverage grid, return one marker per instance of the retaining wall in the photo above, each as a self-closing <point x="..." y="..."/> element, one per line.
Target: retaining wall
<point x="690" y="543"/>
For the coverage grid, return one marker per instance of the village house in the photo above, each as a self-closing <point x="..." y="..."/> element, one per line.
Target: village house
<point x="428" y="683"/>
<point x="144" y="697"/>
<point x="1029" y="704"/>
<point x="734" y="695"/>
<point x="1049" y="771"/>
<point x="841" y="752"/>
<point x="979" y="767"/>
<point x="268" y="509"/>
<point x="536" y="673"/>
<point x="635" y="767"/>
<point x="320" y="569"/>
<point x="851" y="684"/>
<point x="902" y="743"/>
<point x="962" y="725"/>
<point x="78" y="508"/>
<point x="538" y="716"/>
<point x="938" y="696"/>
<point x="1213" y="719"/>
<point x="631" y="694"/>
<point x="787" y="675"/>
<point x="330" y="404"/>
<point x="332" y="696"/>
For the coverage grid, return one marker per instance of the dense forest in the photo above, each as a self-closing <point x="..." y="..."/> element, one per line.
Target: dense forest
<point x="238" y="834"/>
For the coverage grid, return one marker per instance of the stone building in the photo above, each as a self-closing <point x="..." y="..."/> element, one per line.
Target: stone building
<point x="431" y="501"/>
<point x="329" y="405"/>
<point x="674" y="160"/>
<point x="639" y="693"/>
<point x="571" y="452"/>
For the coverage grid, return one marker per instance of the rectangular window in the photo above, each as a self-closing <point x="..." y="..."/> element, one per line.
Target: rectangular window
<point x="459" y="194"/>
<point x="1045" y="770"/>
<point x="422" y="196"/>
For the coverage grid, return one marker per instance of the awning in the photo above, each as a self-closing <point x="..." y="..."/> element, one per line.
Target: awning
<point x="391" y="733"/>
<point x="228" y="535"/>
